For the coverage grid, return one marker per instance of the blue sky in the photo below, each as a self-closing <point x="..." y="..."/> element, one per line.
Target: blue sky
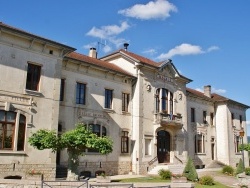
<point x="208" y="40"/>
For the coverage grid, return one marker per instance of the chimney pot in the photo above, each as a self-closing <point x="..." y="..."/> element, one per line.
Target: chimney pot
<point x="92" y="52"/>
<point x="126" y="46"/>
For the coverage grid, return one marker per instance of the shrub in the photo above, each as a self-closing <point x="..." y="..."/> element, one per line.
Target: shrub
<point x="240" y="167"/>
<point x="228" y="170"/>
<point x="165" y="174"/>
<point x="247" y="171"/>
<point x="189" y="171"/>
<point x="206" y="180"/>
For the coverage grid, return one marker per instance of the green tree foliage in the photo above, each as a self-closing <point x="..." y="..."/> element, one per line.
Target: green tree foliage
<point x="240" y="167"/>
<point x="229" y="170"/>
<point x="75" y="141"/>
<point x="189" y="171"/>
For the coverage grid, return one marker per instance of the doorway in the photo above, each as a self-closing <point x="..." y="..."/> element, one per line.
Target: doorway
<point x="163" y="146"/>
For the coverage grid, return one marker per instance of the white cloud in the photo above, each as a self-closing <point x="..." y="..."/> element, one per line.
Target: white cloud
<point x="110" y="30"/>
<point x="212" y="48"/>
<point x="186" y="49"/>
<point x="150" y="51"/>
<point x="213" y="90"/>
<point x="117" y="41"/>
<point x="159" y="9"/>
<point x="107" y="49"/>
<point x="183" y="49"/>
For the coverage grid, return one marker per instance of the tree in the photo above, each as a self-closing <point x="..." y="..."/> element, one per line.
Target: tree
<point x="189" y="171"/>
<point x="75" y="141"/>
<point x="240" y="167"/>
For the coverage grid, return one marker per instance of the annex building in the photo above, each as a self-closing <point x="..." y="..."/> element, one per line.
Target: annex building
<point x="144" y="106"/>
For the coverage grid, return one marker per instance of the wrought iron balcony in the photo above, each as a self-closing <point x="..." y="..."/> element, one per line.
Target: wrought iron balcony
<point x="171" y="120"/>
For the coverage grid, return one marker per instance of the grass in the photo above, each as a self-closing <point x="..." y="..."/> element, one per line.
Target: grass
<point x="157" y="179"/>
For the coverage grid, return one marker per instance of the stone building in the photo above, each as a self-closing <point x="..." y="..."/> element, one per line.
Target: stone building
<point x="144" y="106"/>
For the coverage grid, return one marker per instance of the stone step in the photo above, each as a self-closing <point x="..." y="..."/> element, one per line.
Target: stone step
<point x="175" y="169"/>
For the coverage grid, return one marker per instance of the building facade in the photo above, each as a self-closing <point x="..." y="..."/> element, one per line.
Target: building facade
<point x="144" y="106"/>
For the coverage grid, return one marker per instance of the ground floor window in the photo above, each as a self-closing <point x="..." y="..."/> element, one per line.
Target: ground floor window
<point x="12" y="131"/>
<point x="148" y="146"/>
<point x="200" y="143"/>
<point x="124" y="142"/>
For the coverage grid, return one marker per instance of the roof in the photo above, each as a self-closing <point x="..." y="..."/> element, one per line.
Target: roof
<point x="144" y="60"/>
<point x="214" y="97"/>
<point x="97" y="62"/>
<point x="22" y="32"/>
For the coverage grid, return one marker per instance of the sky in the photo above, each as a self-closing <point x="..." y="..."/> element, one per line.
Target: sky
<point x="207" y="40"/>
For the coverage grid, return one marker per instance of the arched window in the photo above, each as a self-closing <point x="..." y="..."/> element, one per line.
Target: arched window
<point x="157" y="100"/>
<point x="164" y="104"/>
<point x="171" y="103"/>
<point x="8" y="124"/>
<point x="164" y="100"/>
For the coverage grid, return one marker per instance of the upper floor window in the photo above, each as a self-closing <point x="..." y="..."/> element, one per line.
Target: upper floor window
<point x="125" y="102"/>
<point x="240" y="120"/>
<point x="124" y="142"/>
<point x="62" y="89"/>
<point x="192" y="114"/>
<point x="232" y="119"/>
<point x="108" y="98"/>
<point x="33" y="77"/>
<point x="200" y="143"/>
<point x="80" y="93"/>
<point x="211" y="118"/>
<point x="204" y="117"/>
<point x="164" y="101"/>
<point x="10" y="138"/>
<point x="236" y="143"/>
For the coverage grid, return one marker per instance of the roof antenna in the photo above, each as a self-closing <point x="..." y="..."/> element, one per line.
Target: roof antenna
<point x="100" y="43"/>
<point x="126" y="46"/>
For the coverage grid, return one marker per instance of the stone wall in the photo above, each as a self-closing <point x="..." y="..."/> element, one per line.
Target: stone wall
<point x="28" y="171"/>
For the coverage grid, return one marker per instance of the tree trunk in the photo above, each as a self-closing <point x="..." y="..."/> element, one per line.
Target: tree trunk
<point x="73" y="163"/>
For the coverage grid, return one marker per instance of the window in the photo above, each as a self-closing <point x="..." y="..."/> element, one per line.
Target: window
<point x="205" y="117"/>
<point x="108" y="98"/>
<point x="200" y="143"/>
<point x="147" y="146"/>
<point x="99" y="130"/>
<point x="164" y="101"/>
<point x="192" y="114"/>
<point x="62" y="89"/>
<point x="125" y="102"/>
<point x="33" y="77"/>
<point x="232" y="119"/>
<point x="240" y="121"/>
<point x="211" y="118"/>
<point x="80" y="93"/>
<point x="237" y="143"/>
<point x="124" y="142"/>
<point x="7" y="131"/>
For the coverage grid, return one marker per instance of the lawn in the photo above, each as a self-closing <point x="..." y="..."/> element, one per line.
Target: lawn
<point x="156" y="179"/>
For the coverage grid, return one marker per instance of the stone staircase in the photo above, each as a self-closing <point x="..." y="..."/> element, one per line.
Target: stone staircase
<point x="174" y="168"/>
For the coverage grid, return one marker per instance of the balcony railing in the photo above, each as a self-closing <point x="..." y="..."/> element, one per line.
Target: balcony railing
<point x="169" y="119"/>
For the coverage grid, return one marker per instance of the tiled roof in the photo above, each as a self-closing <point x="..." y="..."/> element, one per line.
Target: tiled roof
<point x="97" y="62"/>
<point x="214" y="97"/>
<point x="20" y="31"/>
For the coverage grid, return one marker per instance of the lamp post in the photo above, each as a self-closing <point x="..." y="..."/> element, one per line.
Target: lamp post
<point x="242" y="133"/>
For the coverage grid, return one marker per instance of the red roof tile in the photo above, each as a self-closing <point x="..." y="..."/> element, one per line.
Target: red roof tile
<point x="97" y="62"/>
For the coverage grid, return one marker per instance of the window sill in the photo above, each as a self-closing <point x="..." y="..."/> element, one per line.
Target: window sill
<point x="200" y="154"/>
<point x="79" y="105"/>
<point x="126" y="113"/>
<point x="125" y="154"/>
<point x="33" y="93"/>
<point x="12" y="152"/>
<point x="108" y="110"/>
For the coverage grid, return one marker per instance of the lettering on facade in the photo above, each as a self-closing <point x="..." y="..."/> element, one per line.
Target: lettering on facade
<point x="86" y="113"/>
<point x="164" y="78"/>
<point x="14" y="99"/>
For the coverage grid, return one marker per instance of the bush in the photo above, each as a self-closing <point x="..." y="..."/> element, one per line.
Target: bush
<point x="206" y="180"/>
<point x="247" y="171"/>
<point x="165" y="174"/>
<point x="189" y="171"/>
<point x="228" y="170"/>
<point x="240" y="167"/>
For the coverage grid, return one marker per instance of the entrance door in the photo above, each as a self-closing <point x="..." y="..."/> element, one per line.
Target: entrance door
<point x="163" y="146"/>
<point x="212" y="152"/>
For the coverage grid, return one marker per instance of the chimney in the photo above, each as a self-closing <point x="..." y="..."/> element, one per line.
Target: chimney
<point x="207" y="91"/>
<point x="92" y="52"/>
<point x="126" y="46"/>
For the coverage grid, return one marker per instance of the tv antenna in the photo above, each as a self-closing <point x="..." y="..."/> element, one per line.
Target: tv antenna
<point x="100" y="44"/>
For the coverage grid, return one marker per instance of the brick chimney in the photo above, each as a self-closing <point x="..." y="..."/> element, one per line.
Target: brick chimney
<point x="207" y="91"/>
<point x="92" y="52"/>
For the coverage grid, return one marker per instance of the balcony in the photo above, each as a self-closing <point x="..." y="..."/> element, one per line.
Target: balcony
<point x="173" y="121"/>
